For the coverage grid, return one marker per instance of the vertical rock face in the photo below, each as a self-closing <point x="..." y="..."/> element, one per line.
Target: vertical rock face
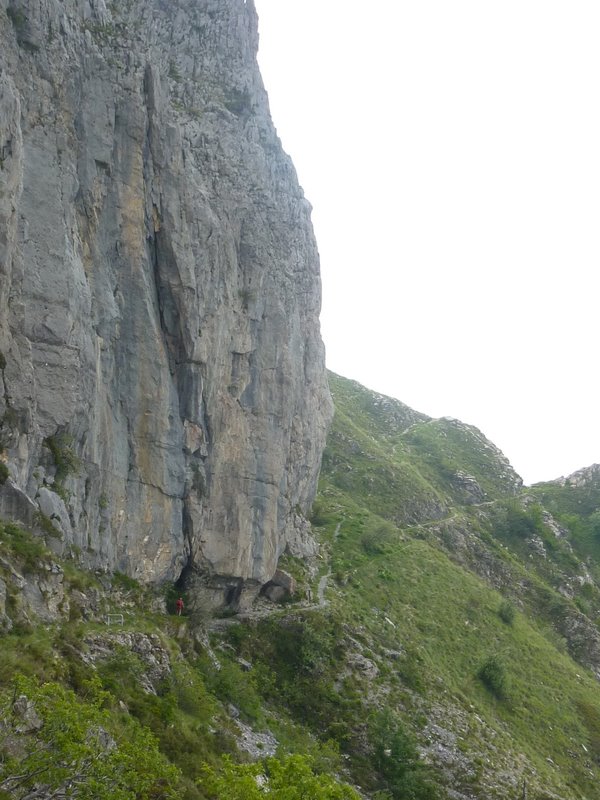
<point x="162" y="375"/>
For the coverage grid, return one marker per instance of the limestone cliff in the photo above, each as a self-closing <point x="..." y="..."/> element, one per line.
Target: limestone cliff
<point x="163" y="394"/>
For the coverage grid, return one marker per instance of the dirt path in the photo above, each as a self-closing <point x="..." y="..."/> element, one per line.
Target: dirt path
<point x="322" y="588"/>
<point x="267" y="609"/>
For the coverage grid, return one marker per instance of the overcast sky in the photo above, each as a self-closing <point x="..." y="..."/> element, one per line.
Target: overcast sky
<point x="451" y="152"/>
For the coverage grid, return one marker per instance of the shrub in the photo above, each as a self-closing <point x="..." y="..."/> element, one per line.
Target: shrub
<point x="232" y="685"/>
<point x="45" y="523"/>
<point x="65" y="460"/>
<point x="4" y="473"/>
<point x="291" y="777"/>
<point x="18" y="19"/>
<point x="318" y="516"/>
<point x="122" y="581"/>
<point x="238" y="101"/>
<point x="590" y="716"/>
<point x="198" y="482"/>
<point x="507" y="612"/>
<point x="76" y="744"/>
<point x="174" y="73"/>
<point x="411" y="671"/>
<point x="515" y="522"/>
<point x="29" y="548"/>
<point x="374" y="541"/>
<point x="396" y="758"/>
<point x="492" y="674"/>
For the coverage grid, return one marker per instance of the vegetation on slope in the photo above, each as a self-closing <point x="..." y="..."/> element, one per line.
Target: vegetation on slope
<point x="140" y="710"/>
<point x="442" y="648"/>
<point x="575" y="502"/>
<point x="426" y="589"/>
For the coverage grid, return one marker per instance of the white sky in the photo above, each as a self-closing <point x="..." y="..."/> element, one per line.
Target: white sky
<point x="451" y="152"/>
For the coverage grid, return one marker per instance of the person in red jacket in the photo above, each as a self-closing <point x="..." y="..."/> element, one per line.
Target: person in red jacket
<point x="179" y="605"/>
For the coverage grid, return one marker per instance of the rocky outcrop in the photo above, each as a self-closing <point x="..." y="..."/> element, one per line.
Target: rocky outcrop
<point x="588" y="477"/>
<point x="162" y="383"/>
<point x="148" y="648"/>
<point x="30" y="596"/>
<point x="281" y="586"/>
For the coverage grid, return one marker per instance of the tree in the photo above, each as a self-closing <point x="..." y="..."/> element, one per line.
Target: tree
<point x="53" y="744"/>
<point x="290" y="778"/>
<point x="396" y="758"/>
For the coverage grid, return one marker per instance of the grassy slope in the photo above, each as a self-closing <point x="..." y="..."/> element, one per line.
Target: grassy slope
<point x="191" y="713"/>
<point x="577" y="506"/>
<point x="445" y="619"/>
<point x="395" y="657"/>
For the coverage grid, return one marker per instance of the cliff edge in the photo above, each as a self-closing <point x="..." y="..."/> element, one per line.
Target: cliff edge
<point x="163" y="395"/>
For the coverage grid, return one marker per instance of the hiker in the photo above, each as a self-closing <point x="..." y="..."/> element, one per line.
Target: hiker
<point x="179" y="605"/>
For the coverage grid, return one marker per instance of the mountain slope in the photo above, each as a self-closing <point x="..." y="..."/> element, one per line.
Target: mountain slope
<point x="575" y="502"/>
<point x="439" y="577"/>
<point x="443" y="645"/>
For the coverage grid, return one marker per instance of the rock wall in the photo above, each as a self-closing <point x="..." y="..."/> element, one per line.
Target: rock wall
<point x="163" y="394"/>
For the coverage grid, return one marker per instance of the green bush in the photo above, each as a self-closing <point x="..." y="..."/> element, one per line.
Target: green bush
<point x="232" y="685"/>
<point x="65" y="460"/>
<point x="45" y="523"/>
<point x="296" y="661"/>
<point x="19" y="21"/>
<point x="318" y="516"/>
<point x="492" y="674"/>
<point x="517" y="523"/>
<point x="396" y="759"/>
<point x="73" y="748"/>
<point x="290" y="778"/>
<point x="507" y="612"/>
<point x="411" y="671"/>
<point x="374" y="542"/>
<point x="4" y="473"/>
<point x="191" y="693"/>
<point x="590" y="716"/>
<point x="125" y="582"/>
<point x="23" y="544"/>
<point x="174" y="73"/>
<point x="238" y="101"/>
<point x="198" y="482"/>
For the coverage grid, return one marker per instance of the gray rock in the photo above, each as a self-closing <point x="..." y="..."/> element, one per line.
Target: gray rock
<point x="42" y="596"/>
<point x="147" y="647"/>
<point x="255" y="744"/>
<point x="469" y="487"/>
<point x="588" y="476"/>
<point x="29" y="719"/>
<point x="88" y="604"/>
<point x="53" y="507"/>
<point x="5" y="621"/>
<point x="285" y="580"/>
<point x="35" y="596"/>
<point x="537" y="547"/>
<point x="359" y="663"/>
<point x="299" y="539"/>
<point x="162" y="278"/>
<point x="15" y="504"/>
<point x="281" y="586"/>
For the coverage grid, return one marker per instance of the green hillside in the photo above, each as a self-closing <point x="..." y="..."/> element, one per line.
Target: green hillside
<point x="488" y="580"/>
<point x="575" y="502"/>
<point x="444" y="644"/>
